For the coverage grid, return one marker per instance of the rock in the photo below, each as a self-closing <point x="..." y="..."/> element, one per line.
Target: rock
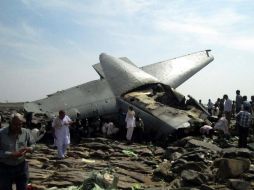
<point x="182" y="142"/>
<point x="248" y="176"/>
<point x="150" y="162"/>
<point x="35" y="163"/>
<point x="159" y="151"/>
<point x="206" y="145"/>
<point x="229" y="168"/>
<point x="191" y="177"/>
<point x="220" y="187"/>
<point x="196" y="166"/>
<point x="171" y="150"/>
<point x="99" y="154"/>
<point x="78" y="154"/>
<point x="175" y="184"/>
<point x="39" y="187"/>
<point x="96" y="145"/>
<point x="206" y="187"/>
<point x="164" y="172"/>
<point x="175" y="156"/>
<point x="194" y="157"/>
<point x="251" y="146"/>
<point x="237" y="152"/>
<point x="179" y="162"/>
<point x="136" y="175"/>
<point x="144" y="152"/>
<point x="238" y="184"/>
<point x="38" y="174"/>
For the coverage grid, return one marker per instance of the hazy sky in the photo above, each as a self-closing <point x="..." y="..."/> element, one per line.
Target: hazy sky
<point x="51" y="45"/>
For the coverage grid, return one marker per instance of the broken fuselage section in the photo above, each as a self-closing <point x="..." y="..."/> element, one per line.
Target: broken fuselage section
<point x="164" y="111"/>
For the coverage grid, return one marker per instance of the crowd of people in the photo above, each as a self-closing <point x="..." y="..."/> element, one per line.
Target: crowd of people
<point x="226" y="109"/>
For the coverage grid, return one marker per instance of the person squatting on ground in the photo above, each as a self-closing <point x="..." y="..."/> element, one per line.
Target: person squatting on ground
<point x="243" y="119"/>
<point x="109" y="129"/>
<point x="130" y="123"/>
<point x="61" y="133"/>
<point x="222" y="126"/>
<point x="207" y="130"/>
<point x="15" y="142"/>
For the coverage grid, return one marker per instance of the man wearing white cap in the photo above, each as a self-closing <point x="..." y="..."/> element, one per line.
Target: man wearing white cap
<point x="61" y="133"/>
<point x="15" y="142"/>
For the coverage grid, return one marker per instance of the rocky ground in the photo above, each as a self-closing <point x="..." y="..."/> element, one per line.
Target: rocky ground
<point x="189" y="163"/>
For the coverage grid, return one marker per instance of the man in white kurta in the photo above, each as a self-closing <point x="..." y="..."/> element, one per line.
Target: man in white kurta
<point x="130" y="123"/>
<point x="61" y="133"/>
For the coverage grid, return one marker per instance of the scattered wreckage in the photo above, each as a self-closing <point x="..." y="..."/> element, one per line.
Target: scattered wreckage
<point x="150" y="90"/>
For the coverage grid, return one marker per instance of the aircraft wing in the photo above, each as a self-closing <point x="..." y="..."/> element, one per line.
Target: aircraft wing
<point x="176" y="71"/>
<point x="123" y="76"/>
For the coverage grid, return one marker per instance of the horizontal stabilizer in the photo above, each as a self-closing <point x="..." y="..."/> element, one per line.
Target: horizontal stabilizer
<point x="176" y="71"/>
<point x="98" y="69"/>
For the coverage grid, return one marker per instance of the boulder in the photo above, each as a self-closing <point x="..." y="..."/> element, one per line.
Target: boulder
<point x="191" y="177"/>
<point x="229" y="168"/>
<point x="164" y="172"/>
<point x="196" y="166"/>
<point x="206" y="145"/>
<point x="206" y="187"/>
<point x="237" y="152"/>
<point x="238" y="184"/>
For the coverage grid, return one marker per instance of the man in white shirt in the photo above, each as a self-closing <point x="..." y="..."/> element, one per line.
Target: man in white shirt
<point x="227" y="107"/>
<point x="130" y="123"/>
<point x="61" y="133"/>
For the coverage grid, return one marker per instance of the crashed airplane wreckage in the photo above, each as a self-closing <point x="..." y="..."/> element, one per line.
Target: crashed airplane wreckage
<point x="149" y="90"/>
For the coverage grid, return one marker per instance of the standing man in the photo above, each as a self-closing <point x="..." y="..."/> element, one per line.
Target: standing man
<point x="139" y="129"/>
<point x="210" y="106"/>
<point x="243" y="119"/>
<point x="61" y="133"/>
<point x="227" y="108"/>
<point x="15" y="142"/>
<point x="0" y="121"/>
<point x="130" y="123"/>
<point x="238" y="101"/>
<point x="246" y="103"/>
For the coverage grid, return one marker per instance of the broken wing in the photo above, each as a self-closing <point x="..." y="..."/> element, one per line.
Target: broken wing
<point x="176" y="71"/>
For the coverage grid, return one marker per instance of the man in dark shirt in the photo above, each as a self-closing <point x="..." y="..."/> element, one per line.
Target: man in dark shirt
<point x="238" y="101"/>
<point x="243" y="119"/>
<point x="15" y="142"/>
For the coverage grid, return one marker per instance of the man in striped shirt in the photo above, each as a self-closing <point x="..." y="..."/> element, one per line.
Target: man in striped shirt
<point x="243" y="119"/>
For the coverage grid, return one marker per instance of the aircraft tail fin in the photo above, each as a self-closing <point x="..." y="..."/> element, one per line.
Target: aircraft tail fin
<point x="123" y="76"/>
<point x="97" y="67"/>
